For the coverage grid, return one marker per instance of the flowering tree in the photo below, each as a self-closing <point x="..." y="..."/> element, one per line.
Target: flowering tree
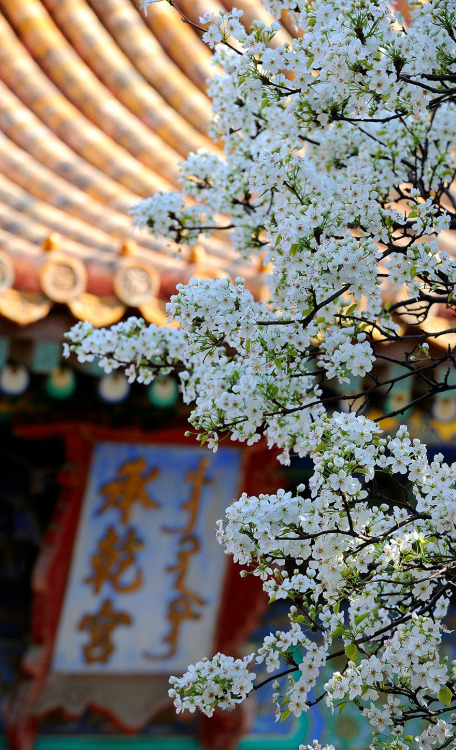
<point x="337" y="169"/>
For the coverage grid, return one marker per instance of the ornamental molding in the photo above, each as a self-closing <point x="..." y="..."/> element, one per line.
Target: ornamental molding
<point x="100" y="311"/>
<point x="63" y="278"/>
<point x="136" y="282"/>
<point x="23" y="308"/>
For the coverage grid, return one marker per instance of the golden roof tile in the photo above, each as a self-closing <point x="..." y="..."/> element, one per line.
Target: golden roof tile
<point x="97" y="104"/>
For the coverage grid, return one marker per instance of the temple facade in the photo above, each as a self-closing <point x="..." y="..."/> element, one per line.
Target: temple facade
<point x="110" y="576"/>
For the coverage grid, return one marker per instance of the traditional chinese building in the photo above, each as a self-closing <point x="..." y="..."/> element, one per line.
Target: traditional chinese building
<point x="111" y="578"/>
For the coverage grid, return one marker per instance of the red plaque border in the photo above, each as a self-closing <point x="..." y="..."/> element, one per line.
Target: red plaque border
<point x="242" y="601"/>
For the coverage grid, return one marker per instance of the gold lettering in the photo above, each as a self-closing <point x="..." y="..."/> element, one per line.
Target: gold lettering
<point x="188" y="546"/>
<point x="198" y="480"/>
<point x="113" y="557"/>
<point x="179" y="610"/>
<point x="100" y="626"/>
<point x="182" y="607"/>
<point x="129" y="488"/>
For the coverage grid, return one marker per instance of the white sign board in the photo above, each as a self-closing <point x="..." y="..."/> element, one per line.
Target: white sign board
<point x="147" y="572"/>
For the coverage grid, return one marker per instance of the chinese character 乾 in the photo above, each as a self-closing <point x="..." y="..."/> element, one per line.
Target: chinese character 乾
<point x="129" y="488"/>
<point x="100" y="627"/>
<point x="112" y="559"/>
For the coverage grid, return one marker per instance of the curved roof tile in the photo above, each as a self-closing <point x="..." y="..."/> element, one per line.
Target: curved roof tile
<point x="151" y="61"/>
<point x="97" y="105"/>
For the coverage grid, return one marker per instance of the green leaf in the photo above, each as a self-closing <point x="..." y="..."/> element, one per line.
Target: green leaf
<point x="338" y="632"/>
<point x="342" y="706"/>
<point x="408" y="739"/>
<point x="247" y="345"/>
<point x="413" y="272"/>
<point x="285" y="715"/>
<point x="351" y="651"/>
<point x="336" y="608"/>
<point x="388" y="304"/>
<point x="445" y="696"/>
<point x="321" y="447"/>
<point x="360" y="618"/>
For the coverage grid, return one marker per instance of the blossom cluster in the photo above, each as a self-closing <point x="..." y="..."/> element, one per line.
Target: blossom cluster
<point x="143" y="352"/>
<point x="337" y="169"/>
<point x="221" y="681"/>
<point x="388" y="561"/>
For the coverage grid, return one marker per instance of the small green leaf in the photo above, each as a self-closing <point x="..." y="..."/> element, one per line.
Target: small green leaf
<point x="408" y="739"/>
<point x="342" y="706"/>
<point x="351" y="651"/>
<point x="338" y="632"/>
<point x="247" y="345"/>
<point x="321" y="447"/>
<point x="388" y="304"/>
<point x="445" y="696"/>
<point x="336" y="608"/>
<point x="413" y="272"/>
<point x="285" y="715"/>
<point x="360" y="618"/>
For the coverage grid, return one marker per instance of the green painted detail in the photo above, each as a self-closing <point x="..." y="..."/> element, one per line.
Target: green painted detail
<point x="46" y="357"/>
<point x="163" y="393"/>
<point x="92" y="368"/>
<point x="83" y="742"/>
<point x="290" y="741"/>
<point x="4" y="351"/>
<point x="61" y="383"/>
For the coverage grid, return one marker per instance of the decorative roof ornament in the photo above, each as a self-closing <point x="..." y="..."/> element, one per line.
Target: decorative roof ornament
<point x="199" y="267"/>
<point x="63" y="277"/>
<point x="136" y="282"/>
<point x="23" y="308"/>
<point x="100" y="311"/>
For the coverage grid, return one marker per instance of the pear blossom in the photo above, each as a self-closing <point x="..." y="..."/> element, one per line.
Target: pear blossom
<point x="337" y="170"/>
